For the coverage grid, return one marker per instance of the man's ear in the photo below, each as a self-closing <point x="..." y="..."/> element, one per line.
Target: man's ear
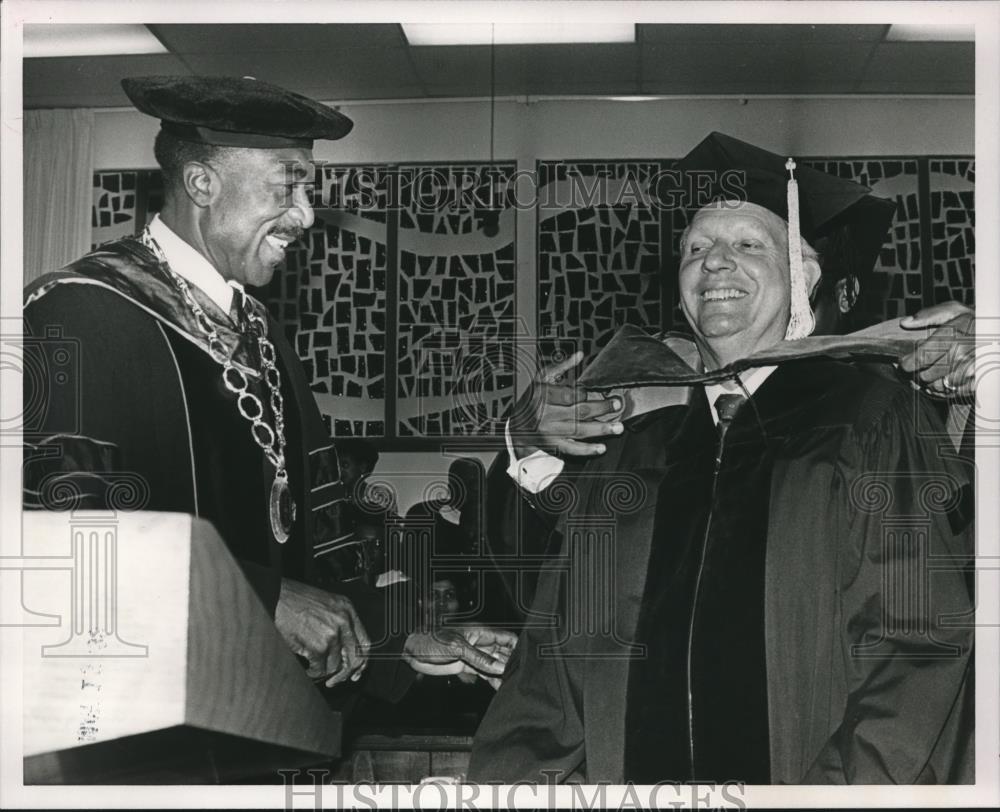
<point x="202" y="183"/>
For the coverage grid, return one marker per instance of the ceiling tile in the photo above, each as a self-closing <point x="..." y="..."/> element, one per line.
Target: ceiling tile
<point x="466" y="68"/>
<point x="762" y="32"/>
<point x="540" y="69"/>
<point x="747" y="67"/>
<point x="922" y="65"/>
<point x="924" y="86"/>
<point x="82" y="81"/>
<point x="528" y="69"/>
<point x="347" y="73"/>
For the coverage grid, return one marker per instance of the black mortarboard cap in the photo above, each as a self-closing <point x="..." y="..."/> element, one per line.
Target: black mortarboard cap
<point x="845" y="212"/>
<point x="234" y="112"/>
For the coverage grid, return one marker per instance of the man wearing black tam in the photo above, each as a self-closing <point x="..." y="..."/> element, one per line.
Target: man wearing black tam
<point x="744" y="591"/>
<point x="186" y="381"/>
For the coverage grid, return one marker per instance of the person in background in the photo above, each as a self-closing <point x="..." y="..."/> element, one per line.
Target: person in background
<point x="358" y="458"/>
<point x="942" y="365"/>
<point x="457" y="516"/>
<point x="358" y="553"/>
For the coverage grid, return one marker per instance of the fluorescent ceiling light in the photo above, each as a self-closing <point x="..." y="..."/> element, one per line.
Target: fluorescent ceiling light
<point x="516" y="33"/>
<point x="931" y="33"/>
<point x="89" y="40"/>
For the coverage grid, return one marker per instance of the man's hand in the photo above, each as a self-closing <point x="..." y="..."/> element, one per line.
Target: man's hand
<point x="556" y="416"/>
<point x="944" y="362"/>
<point x="461" y="650"/>
<point x="324" y="629"/>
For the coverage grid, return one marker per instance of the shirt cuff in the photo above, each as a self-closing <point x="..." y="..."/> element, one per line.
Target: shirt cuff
<point x="535" y="472"/>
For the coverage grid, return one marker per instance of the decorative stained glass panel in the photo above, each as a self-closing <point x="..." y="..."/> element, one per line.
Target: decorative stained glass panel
<point x="457" y="292"/>
<point x="113" y="215"/>
<point x="953" y="228"/>
<point x="330" y="298"/>
<point x="599" y="251"/>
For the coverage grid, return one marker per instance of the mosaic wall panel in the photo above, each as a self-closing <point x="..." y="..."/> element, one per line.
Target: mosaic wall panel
<point x="599" y="252"/>
<point x="457" y="299"/>
<point x="953" y="225"/>
<point x="330" y="298"/>
<point x="124" y="200"/>
<point x="114" y="210"/>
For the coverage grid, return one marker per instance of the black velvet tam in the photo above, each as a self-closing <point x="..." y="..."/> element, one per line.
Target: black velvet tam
<point x="234" y="112"/>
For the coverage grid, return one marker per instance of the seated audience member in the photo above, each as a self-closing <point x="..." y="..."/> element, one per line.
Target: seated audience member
<point x="458" y="515"/>
<point x="358" y="458"/>
<point x="357" y="554"/>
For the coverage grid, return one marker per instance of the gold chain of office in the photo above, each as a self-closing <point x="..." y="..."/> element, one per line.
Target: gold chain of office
<point x="271" y="441"/>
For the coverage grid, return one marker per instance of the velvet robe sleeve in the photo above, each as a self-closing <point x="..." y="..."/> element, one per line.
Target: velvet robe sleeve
<point x="534" y="729"/>
<point x="906" y="628"/>
<point x="535" y="723"/>
<point x="520" y="535"/>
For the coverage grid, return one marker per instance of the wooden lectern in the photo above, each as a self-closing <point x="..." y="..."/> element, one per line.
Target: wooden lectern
<point x="165" y="667"/>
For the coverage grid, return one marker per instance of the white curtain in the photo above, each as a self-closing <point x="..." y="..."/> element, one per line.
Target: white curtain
<point x="58" y="188"/>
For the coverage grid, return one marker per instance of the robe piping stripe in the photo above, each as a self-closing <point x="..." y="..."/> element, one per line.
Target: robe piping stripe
<point x="187" y="421"/>
<point x="60" y="436"/>
<point x="331" y="502"/>
<point x="331" y="545"/>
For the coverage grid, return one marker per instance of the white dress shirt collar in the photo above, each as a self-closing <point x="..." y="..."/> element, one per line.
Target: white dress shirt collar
<point x="449" y="514"/>
<point x="752" y="380"/>
<point x="185" y="261"/>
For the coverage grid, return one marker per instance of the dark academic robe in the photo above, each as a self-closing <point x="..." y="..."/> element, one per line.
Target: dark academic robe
<point x="147" y="400"/>
<point x="517" y="542"/>
<point x="799" y="615"/>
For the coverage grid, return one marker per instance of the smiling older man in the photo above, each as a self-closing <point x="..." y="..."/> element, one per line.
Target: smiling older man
<point x="743" y="592"/>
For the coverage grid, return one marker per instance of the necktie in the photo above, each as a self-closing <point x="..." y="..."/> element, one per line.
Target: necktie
<point x="236" y="312"/>
<point x="726" y="407"/>
<point x="239" y="313"/>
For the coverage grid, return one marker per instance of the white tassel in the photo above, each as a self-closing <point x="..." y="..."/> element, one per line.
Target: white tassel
<point x="800" y="318"/>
